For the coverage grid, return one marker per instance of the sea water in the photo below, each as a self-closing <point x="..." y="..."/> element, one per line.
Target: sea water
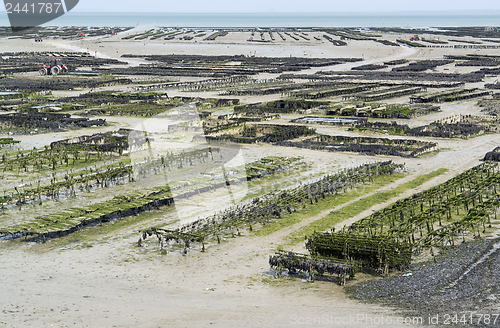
<point x="407" y="20"/>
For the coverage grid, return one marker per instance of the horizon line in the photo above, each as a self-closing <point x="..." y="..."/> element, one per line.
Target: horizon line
<point x="476" y="11"/>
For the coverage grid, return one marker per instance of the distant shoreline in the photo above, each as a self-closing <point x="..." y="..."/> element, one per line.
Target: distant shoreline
<point x="285" y="20"/>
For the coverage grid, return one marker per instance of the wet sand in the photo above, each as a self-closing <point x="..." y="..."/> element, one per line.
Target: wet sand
<point x="108" y="282"/>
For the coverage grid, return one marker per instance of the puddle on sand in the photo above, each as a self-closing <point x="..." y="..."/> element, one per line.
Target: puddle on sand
<point x="328" y="120"/>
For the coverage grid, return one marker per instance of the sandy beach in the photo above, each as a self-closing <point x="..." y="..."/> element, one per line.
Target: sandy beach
<point x="98" y="277"/>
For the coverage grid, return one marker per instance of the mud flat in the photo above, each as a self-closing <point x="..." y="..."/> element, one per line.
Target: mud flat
<point x="248" y="86"/>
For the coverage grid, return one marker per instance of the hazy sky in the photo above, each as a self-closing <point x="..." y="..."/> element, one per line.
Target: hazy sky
<point x="277" y="6"/>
